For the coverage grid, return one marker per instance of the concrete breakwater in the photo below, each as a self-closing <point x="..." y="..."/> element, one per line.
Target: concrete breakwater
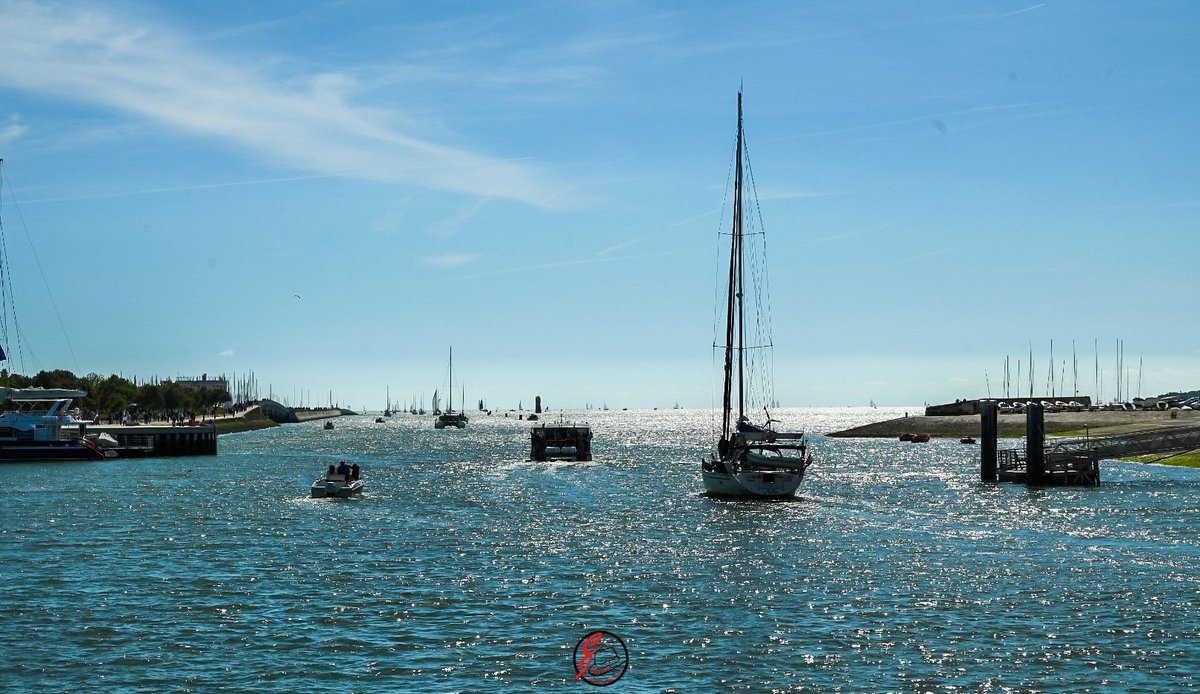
<point x="282" y="414"/>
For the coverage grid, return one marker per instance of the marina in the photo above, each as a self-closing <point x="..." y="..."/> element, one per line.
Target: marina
<point x="222" y="215"/>
<point x="894" y="568"/>
<point x="40" y="424"/>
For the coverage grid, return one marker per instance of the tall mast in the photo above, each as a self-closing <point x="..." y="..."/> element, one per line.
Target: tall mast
<point x="732" y="303"/>
<point x="450" y="407"/>
<point x="741" y="273"/>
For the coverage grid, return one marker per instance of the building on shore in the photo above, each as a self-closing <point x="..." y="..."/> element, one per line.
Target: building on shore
<point x="202" y="383"/>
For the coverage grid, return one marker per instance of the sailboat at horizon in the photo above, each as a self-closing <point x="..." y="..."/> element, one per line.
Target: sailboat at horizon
<point x="450" y="418"/>
<point x="751" y="460"/>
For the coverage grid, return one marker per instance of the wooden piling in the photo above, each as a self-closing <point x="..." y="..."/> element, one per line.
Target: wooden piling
<point x="1035" y="444"/>
<point x="988" y="434"/>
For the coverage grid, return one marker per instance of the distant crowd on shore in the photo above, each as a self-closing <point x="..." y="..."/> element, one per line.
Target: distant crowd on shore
<point x="177" y="418"/>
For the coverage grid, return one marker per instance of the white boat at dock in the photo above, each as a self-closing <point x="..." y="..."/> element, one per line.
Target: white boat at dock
<point x="39" y="424"/>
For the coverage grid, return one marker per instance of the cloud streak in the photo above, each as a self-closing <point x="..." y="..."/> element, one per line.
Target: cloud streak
<point x="449" y="259"/>
<point x="9" y="133"/>
<point x="128" y="64"/>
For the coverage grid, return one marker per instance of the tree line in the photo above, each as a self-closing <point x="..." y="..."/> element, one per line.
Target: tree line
<point x="114" y="394"/>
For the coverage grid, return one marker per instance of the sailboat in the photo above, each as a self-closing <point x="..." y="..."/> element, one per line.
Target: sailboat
<point x="751" y="460"/>
<point x="450" y="418"/>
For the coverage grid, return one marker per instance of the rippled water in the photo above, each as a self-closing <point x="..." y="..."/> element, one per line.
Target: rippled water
<point x="466" y="568"/>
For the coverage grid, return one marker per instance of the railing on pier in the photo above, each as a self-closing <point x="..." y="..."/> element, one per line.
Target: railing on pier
<point x="1072" y="468"/>
<point x="1141" y="443"/>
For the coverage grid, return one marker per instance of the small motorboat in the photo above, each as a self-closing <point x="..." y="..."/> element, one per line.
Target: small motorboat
<point x="920" y="438"/>
<point x="967" y="439"/>
<point x="907" y="436"/>
<point x="328" y="425"/>
<point x="337" y="485"/>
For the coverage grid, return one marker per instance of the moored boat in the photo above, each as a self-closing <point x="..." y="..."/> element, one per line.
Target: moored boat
<point x="39" y="424"/>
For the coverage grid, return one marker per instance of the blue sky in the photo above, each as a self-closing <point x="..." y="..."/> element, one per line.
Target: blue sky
<point x="540" y="185"/>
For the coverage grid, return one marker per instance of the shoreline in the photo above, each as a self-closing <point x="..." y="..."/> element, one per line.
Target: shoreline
<point x="1058" y="424"/>
<point x="1097" y="423"/>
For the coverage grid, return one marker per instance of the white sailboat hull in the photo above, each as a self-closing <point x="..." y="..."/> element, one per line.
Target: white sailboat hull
<point x="781" y="462"/>
<point x="752" y="484"/>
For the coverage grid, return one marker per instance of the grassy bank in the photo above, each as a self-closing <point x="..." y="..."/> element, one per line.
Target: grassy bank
<point x="1189" y="459"/>
<point x="1013" y="425"/>
<point x="1066" y="424"/>
<point x="252" y="420"/>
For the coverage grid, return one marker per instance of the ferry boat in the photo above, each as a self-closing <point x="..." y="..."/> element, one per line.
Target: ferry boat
<point x="39" y="424"/>
<point x="561" y="441"/>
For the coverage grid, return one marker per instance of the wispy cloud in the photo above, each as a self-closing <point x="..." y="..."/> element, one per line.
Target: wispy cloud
<point x="176" y="189"/>
<point x="9" y="133"/>
<point x="1152" y="206"/>
<point x="454" y="223"/>
<point x="850" y="234"/>
<point x="1025" y="9"/>
<point x="619" y="246"/>
<point x="559" y="264"/>
<point x="927" y="121"/>
<point x="226" y="353"/>
<point x="94" y="55"/>
<point x="449" y="259"/>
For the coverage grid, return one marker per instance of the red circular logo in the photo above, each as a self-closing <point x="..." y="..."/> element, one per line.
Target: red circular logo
<point x="601" y="658"/>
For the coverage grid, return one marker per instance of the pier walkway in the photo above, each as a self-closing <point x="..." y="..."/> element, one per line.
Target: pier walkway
<point x="1174" y="440"/>
<point x="1076" y="461"/>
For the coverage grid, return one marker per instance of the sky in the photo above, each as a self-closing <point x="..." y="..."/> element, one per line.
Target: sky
<point x="331" y="195"/>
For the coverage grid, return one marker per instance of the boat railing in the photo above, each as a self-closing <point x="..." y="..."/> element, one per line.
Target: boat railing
<point x="769" y="436"/>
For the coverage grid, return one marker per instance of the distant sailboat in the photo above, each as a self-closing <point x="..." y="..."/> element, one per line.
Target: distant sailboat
<point x="751" y="460"/>
<point x="450" y="418"/>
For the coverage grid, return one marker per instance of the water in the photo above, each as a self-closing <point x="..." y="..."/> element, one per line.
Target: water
<point x="466" y="568"/>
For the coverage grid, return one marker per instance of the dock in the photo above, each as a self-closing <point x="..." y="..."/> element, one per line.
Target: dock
<point x="1070" y="461"/>
<point x="147" y="441"/>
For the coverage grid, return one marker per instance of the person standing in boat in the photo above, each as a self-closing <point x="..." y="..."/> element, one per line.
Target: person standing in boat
<point x="344" y="469"/>
<point x="354" y="471"/>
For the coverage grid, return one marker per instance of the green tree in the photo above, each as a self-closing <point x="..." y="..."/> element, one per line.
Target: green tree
<point x="59" y="378"/>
